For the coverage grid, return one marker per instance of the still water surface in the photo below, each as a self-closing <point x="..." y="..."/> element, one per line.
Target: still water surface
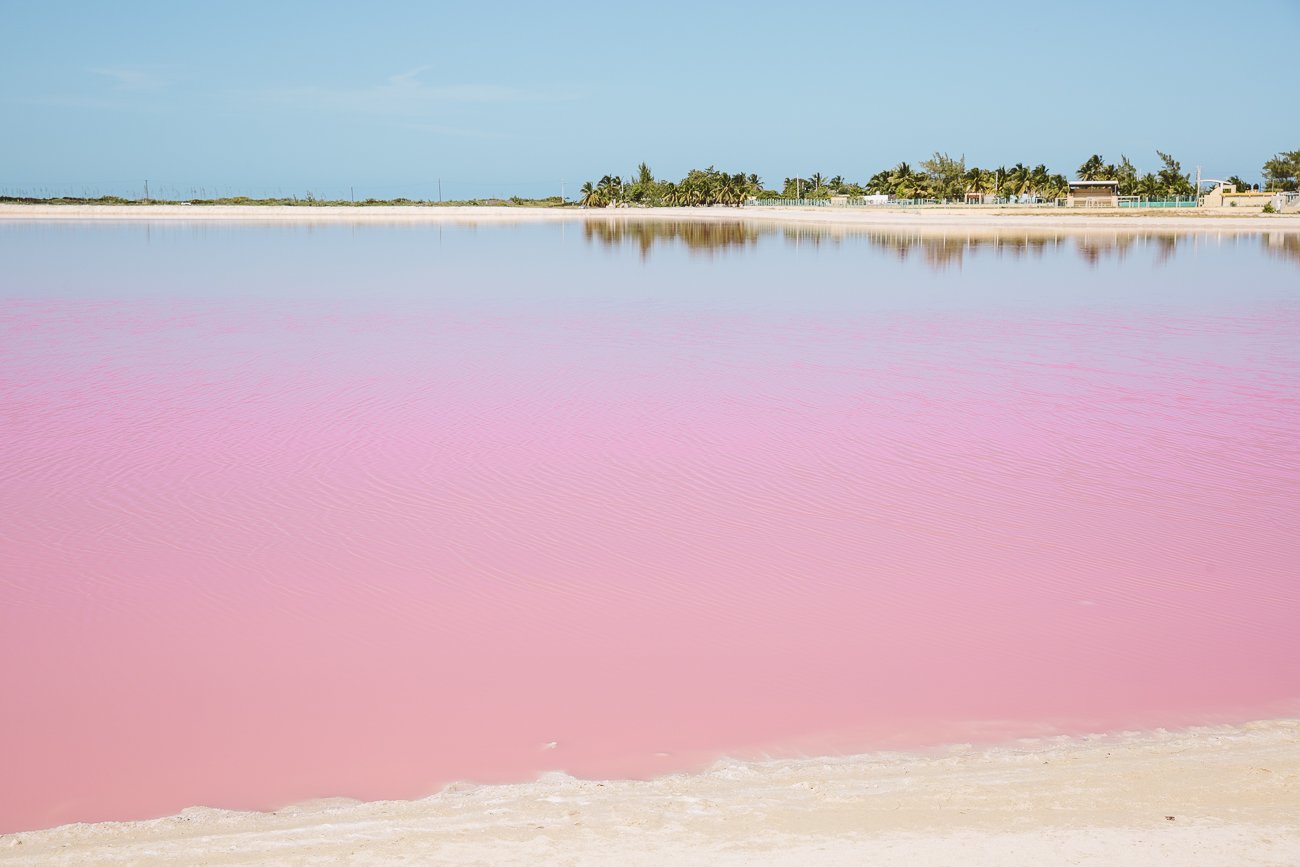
<point x="292" y="512"/>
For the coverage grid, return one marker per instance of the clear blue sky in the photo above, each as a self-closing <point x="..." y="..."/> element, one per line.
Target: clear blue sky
<point x="494" y="97"/>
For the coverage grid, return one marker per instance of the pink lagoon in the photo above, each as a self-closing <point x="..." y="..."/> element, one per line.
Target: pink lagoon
<point x="301" y="511"/>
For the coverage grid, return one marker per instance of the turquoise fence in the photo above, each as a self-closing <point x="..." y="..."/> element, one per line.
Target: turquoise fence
<point x="1176" y="202"/>
<point x="857" y="202"/>
<point x="1124" y="202"/>
<point x="851" y="202"/>
<point x="794" y="203"/>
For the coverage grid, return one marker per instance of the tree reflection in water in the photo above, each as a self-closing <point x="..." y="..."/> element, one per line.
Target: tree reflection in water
<point x="938" y="247"/>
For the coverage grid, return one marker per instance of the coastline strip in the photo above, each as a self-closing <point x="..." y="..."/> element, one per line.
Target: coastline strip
<point x="946" y="219"/>
<point x="1209" y="795"/>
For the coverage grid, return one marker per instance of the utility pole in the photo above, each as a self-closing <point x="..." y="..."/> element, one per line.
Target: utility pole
<point x="440" y="190"/>
<point x="146" y="189"/>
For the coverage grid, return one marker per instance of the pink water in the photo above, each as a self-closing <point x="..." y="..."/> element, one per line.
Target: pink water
<point x="292" y="513"/>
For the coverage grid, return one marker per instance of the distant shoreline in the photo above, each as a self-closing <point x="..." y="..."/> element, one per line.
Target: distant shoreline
<point x="946" y="219"/>
<point x="1210" y="795"/>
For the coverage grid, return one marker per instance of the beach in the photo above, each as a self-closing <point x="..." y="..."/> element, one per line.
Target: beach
<point x="1225" y="795"/>
<point x="940" y="219"/>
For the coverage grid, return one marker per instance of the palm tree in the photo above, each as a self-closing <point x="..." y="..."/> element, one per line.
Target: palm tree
<point x="1093" y="169"/>
<point x="990" y="180"/>
<point x="1017" y="182"/>
<point x="898" y="178"/>
<point x="1057" y="187"/>
<point x="732" y="189"/>
<point x="923" y="186"/>
<point x="1126" y="174"/>
<point x="1039" y="178"/>
<point x="610" y="189"/>
<point x="909" y="184"/>
<point x="879" y="183"/>
<point x="1000" y="182"/>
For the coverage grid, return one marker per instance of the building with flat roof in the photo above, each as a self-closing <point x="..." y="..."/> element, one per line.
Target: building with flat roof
<point x="1093" y="194"/>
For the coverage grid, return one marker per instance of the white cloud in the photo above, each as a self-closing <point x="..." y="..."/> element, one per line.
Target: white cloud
<point x="456" y="131"/>
<point x="129" y="78"/>
<point x="406" y="94"/>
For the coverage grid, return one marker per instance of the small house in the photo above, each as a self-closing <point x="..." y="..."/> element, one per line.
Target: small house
<point x="1093" y="194"/>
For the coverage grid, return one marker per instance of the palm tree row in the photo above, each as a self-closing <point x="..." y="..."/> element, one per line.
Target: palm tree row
<point x="700" y="187"/>
<point x="940" y="178"/>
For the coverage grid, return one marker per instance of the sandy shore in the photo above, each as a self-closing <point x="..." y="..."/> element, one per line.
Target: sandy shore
<point x="954" y="218"/>
<point x="1205" y="796"/>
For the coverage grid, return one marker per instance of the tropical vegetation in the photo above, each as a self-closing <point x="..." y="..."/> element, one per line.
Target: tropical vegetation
<point x="699" y="187"/>
<point x="941" y="178"/>
<point x="945" y="178"/>
<point x="1283" y="171"/>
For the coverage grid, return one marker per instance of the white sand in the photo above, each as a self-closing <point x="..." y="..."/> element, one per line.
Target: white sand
<point x="954" y="218"/>
<point x="1233" y="793"/>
